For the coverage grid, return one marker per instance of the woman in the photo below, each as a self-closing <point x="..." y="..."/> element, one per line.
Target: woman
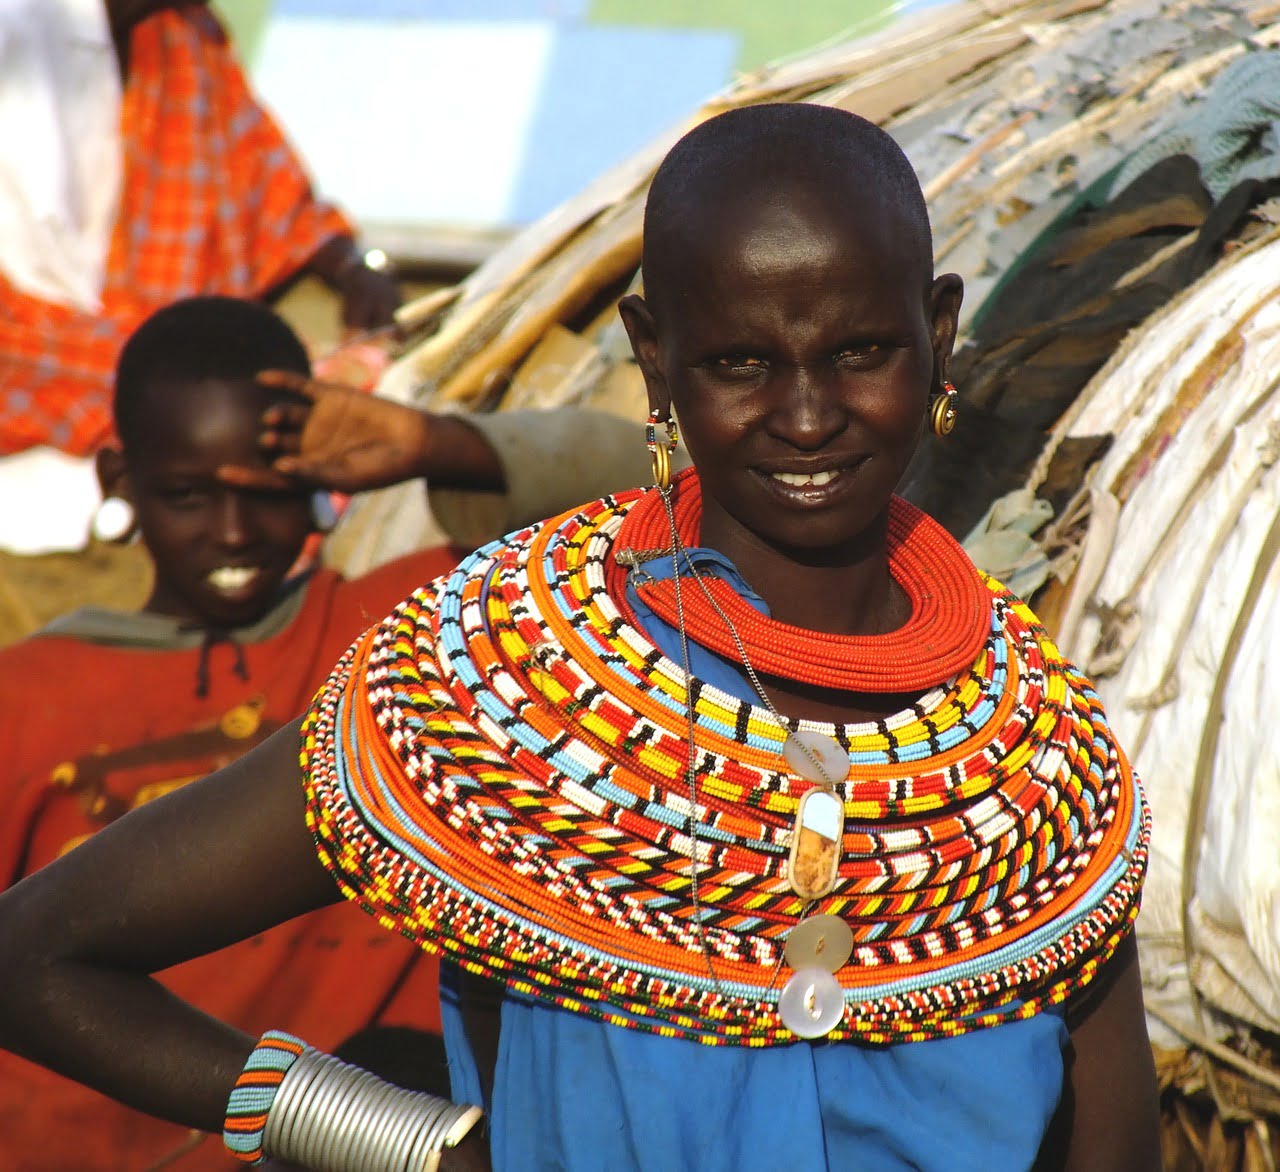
<point x="757" y="761"/>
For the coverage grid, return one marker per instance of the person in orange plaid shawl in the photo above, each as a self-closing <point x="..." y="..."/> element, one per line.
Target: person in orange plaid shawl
<point x="212" y="199"/>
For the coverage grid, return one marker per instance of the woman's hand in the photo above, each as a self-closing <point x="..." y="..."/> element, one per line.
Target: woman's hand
<point x="344" y="440"/>
<point x="370" y="297"/>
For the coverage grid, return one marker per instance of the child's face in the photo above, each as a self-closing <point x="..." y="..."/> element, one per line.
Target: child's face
<point x="220" y="553"/>
<point x="798" y="349"/>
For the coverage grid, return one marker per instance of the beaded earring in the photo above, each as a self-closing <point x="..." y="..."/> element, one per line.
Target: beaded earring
<point x="660" y="451"/>
<point x="942" y="414"/>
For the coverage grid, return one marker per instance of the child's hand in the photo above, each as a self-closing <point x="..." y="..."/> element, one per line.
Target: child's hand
<point x="337" y="439"/>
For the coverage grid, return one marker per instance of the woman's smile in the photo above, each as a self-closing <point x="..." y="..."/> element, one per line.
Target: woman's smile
<point x="821" y="485"/>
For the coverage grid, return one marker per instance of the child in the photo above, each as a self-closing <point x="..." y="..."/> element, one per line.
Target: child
<point x="107" y="710"/>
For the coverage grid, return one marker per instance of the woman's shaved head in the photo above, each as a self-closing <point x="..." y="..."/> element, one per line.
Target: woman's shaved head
<point x="778" y="155"/>
<point x="792" y="321"/>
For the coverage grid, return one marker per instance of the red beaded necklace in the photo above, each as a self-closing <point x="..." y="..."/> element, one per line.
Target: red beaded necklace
<point x="950" y="606"/>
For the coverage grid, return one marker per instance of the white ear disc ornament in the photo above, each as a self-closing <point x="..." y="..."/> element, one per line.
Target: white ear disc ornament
<point x="113" y="520"/>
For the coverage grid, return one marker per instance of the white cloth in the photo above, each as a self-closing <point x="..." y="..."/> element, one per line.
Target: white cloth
<point x="60" y="152"/>
<point x="47" y="500"/>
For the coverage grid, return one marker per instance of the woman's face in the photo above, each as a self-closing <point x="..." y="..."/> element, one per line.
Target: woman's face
<point x="798" y="351"/>
<point x="220" y="553"/>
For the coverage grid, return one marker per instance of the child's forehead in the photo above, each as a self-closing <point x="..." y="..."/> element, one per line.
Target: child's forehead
<point x="174" y="395"/>
<point x="180" y="406"/>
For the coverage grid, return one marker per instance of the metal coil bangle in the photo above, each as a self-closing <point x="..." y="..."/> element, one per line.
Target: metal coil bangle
<point x="330" y="1116"/>
<point x="304" y="1074"/>
<point x="362" y="1117"/>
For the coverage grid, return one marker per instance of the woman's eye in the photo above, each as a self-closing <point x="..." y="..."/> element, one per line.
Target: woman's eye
<point x="863" y="352"/>
<point x="739" y="364"/>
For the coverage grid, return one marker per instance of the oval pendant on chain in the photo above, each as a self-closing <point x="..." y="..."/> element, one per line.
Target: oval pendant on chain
<point x="812" y="1003"/>
<point x="816" y="757"/>
<point x="817" y="840"/>
<point x="820" y="942"/>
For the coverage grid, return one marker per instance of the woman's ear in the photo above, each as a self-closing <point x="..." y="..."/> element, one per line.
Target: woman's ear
<point x="643" y="332"/>
<point x="945" y="297"/>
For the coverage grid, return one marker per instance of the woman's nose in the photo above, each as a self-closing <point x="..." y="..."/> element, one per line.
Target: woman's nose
<point x="808" y="412"/>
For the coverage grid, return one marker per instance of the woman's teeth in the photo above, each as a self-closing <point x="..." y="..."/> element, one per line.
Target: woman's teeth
<point x="229" y="579"/>
<point x="805" y="479"/>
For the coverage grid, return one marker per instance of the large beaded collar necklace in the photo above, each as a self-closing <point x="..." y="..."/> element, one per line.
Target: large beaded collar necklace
<point x="499" y="772"/>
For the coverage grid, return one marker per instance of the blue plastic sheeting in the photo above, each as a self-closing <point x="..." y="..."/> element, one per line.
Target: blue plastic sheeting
<point x="469" y="10"/>
<point x="607" y="91"/>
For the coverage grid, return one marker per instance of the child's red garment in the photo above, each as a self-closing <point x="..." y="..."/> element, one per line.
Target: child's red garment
<point x="213" y="200"/>
<point x="105" y="717"/>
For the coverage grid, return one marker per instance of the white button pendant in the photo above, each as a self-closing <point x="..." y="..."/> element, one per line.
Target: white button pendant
<point x="820" y="942"/>
<point x="825" y="763"/>
<point x="816" y="843"/>
<point x="812" y="1003"/>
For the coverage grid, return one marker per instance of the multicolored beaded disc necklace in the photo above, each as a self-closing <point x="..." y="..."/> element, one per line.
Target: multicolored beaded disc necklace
<point x="500" y="771"/>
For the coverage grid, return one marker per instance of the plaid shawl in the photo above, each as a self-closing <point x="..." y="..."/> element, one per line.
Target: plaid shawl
<point x="213" y="200"/>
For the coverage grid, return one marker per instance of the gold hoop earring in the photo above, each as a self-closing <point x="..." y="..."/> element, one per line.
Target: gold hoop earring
<point x="660" y="451"/>
<point x="942" y="414"/>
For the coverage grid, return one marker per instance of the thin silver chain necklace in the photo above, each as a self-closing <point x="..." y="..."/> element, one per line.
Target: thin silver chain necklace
<point x="678" y="553"/>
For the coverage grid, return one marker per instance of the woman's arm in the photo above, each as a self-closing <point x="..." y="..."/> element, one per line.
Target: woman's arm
<point x="1109" y="1119"/>
<point x="210" y="864"/>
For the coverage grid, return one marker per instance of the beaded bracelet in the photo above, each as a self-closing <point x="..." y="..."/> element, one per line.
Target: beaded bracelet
<point x="255" y="1092"/>
<point x="327" y="1115"/>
